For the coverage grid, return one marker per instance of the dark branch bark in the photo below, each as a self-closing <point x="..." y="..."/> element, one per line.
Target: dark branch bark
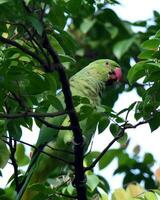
<point x="30" y="114"/>
<point x="80" y="180"/>
<point x="38" y="117"/>
<point x="12" y="146"/>
<point x="40" y="150"/>
<point x="53" y="125"/>
<point x="121" y="133"/>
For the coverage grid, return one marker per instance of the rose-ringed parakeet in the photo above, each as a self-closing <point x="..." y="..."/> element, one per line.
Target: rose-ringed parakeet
<point x="90" y="82"/>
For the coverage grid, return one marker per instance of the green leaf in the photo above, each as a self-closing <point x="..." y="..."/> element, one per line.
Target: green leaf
<point x="68" y="43"/>
<point x="90" y="157"/>
<point x="85" y="111"/>
<point x="104" y="197"/>
<point x="111" y="29"/>
<point x="73" y="7"/>
<point x="150" y="196"/>
<point x="92" y="181"/>
<point x="132" y="106"/>
<point x="141" y="69"/>
<point x="16" y="73"/>
<point x="103" y="124"/>
<point x="152" y="77"/>
<point x="92" y="121"/>
<point x="25" y="59"/>
<point x="103" y="183"/>
<point x="14" y="129"/>
<point x="114" y="128"/>
<point x="147" y="54"/>
<point x="36" y="24"/>
<point x="43" y="189"/>
<point x="136" y="72"/>
<point x="122" y="111"/>
<point x="41" y="196"/>
<point x="2" y="127"/>
<point x="157" y="191"/>
<point x="107" y="159"/>
<point x="122" y="47"/>
<point x="21" y="158"/>
<point x="151" y="44"/>
<point x="4" y="155"/>
<point x="50" y="83"/>
<point x="157" y="34"/>
<point x="37" y="84"/>
<point x="70" y="189"/>
<point x="55" y="102"/>
<point x="65" y="58"/>
<point x="86" y="25"/>
<point x="9" y="194"/>
<point x="155" y="122"/>
<point x="4" y="1"/>
<point x="56" y="44"/>
<point x="148" y="159"/>
<point x="139" y="23"/>
<point x="57" y="16"/>
<point x="123" y="139"/>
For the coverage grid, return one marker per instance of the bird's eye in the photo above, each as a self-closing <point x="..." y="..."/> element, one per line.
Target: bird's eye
<point x="107" y="63"/>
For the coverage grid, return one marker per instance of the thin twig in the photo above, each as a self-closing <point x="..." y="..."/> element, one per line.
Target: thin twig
<point x="129" y="126"/>
<point x="121" y="133"/>
<point x="22" y="104"/>
<point x="30" y="114"/>
<point x="39" y="150"/>
<point x="25" y="50"/>
<point x="61" y="150"/>
<point x="12" y="146"/>
<point x="53" y="125"/>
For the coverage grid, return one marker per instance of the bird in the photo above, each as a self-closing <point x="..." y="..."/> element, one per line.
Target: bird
<point x="89" y="83"/>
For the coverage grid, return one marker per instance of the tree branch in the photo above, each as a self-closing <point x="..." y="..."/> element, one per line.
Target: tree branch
<point x="53" y="125"/>
<point x="61" y="150"/>
<point x="22" y="104"/>
<point x="39" y="150"/>
<point x="30" y="114"/>
<point x="12" y="146"/>
<point x="121" y="133"/>
<point x="80" y="180"/>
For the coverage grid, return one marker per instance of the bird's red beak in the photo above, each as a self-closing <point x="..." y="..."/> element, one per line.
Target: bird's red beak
<point x="115" y="76"/>
<point x="118" y="74"/>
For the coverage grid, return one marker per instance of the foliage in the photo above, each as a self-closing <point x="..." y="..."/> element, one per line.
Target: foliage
<point x="80" y="33"/>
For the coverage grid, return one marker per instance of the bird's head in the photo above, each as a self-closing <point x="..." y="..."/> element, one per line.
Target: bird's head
<point x="92" y="80"/>
<point x="107" y="70"/>
<point x="115" y="73"/>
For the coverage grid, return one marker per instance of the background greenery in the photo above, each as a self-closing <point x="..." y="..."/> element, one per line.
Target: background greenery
<point x="80" y="32"/>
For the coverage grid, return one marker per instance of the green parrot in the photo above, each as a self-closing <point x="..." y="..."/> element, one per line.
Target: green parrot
<point x="90" y="82"/>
